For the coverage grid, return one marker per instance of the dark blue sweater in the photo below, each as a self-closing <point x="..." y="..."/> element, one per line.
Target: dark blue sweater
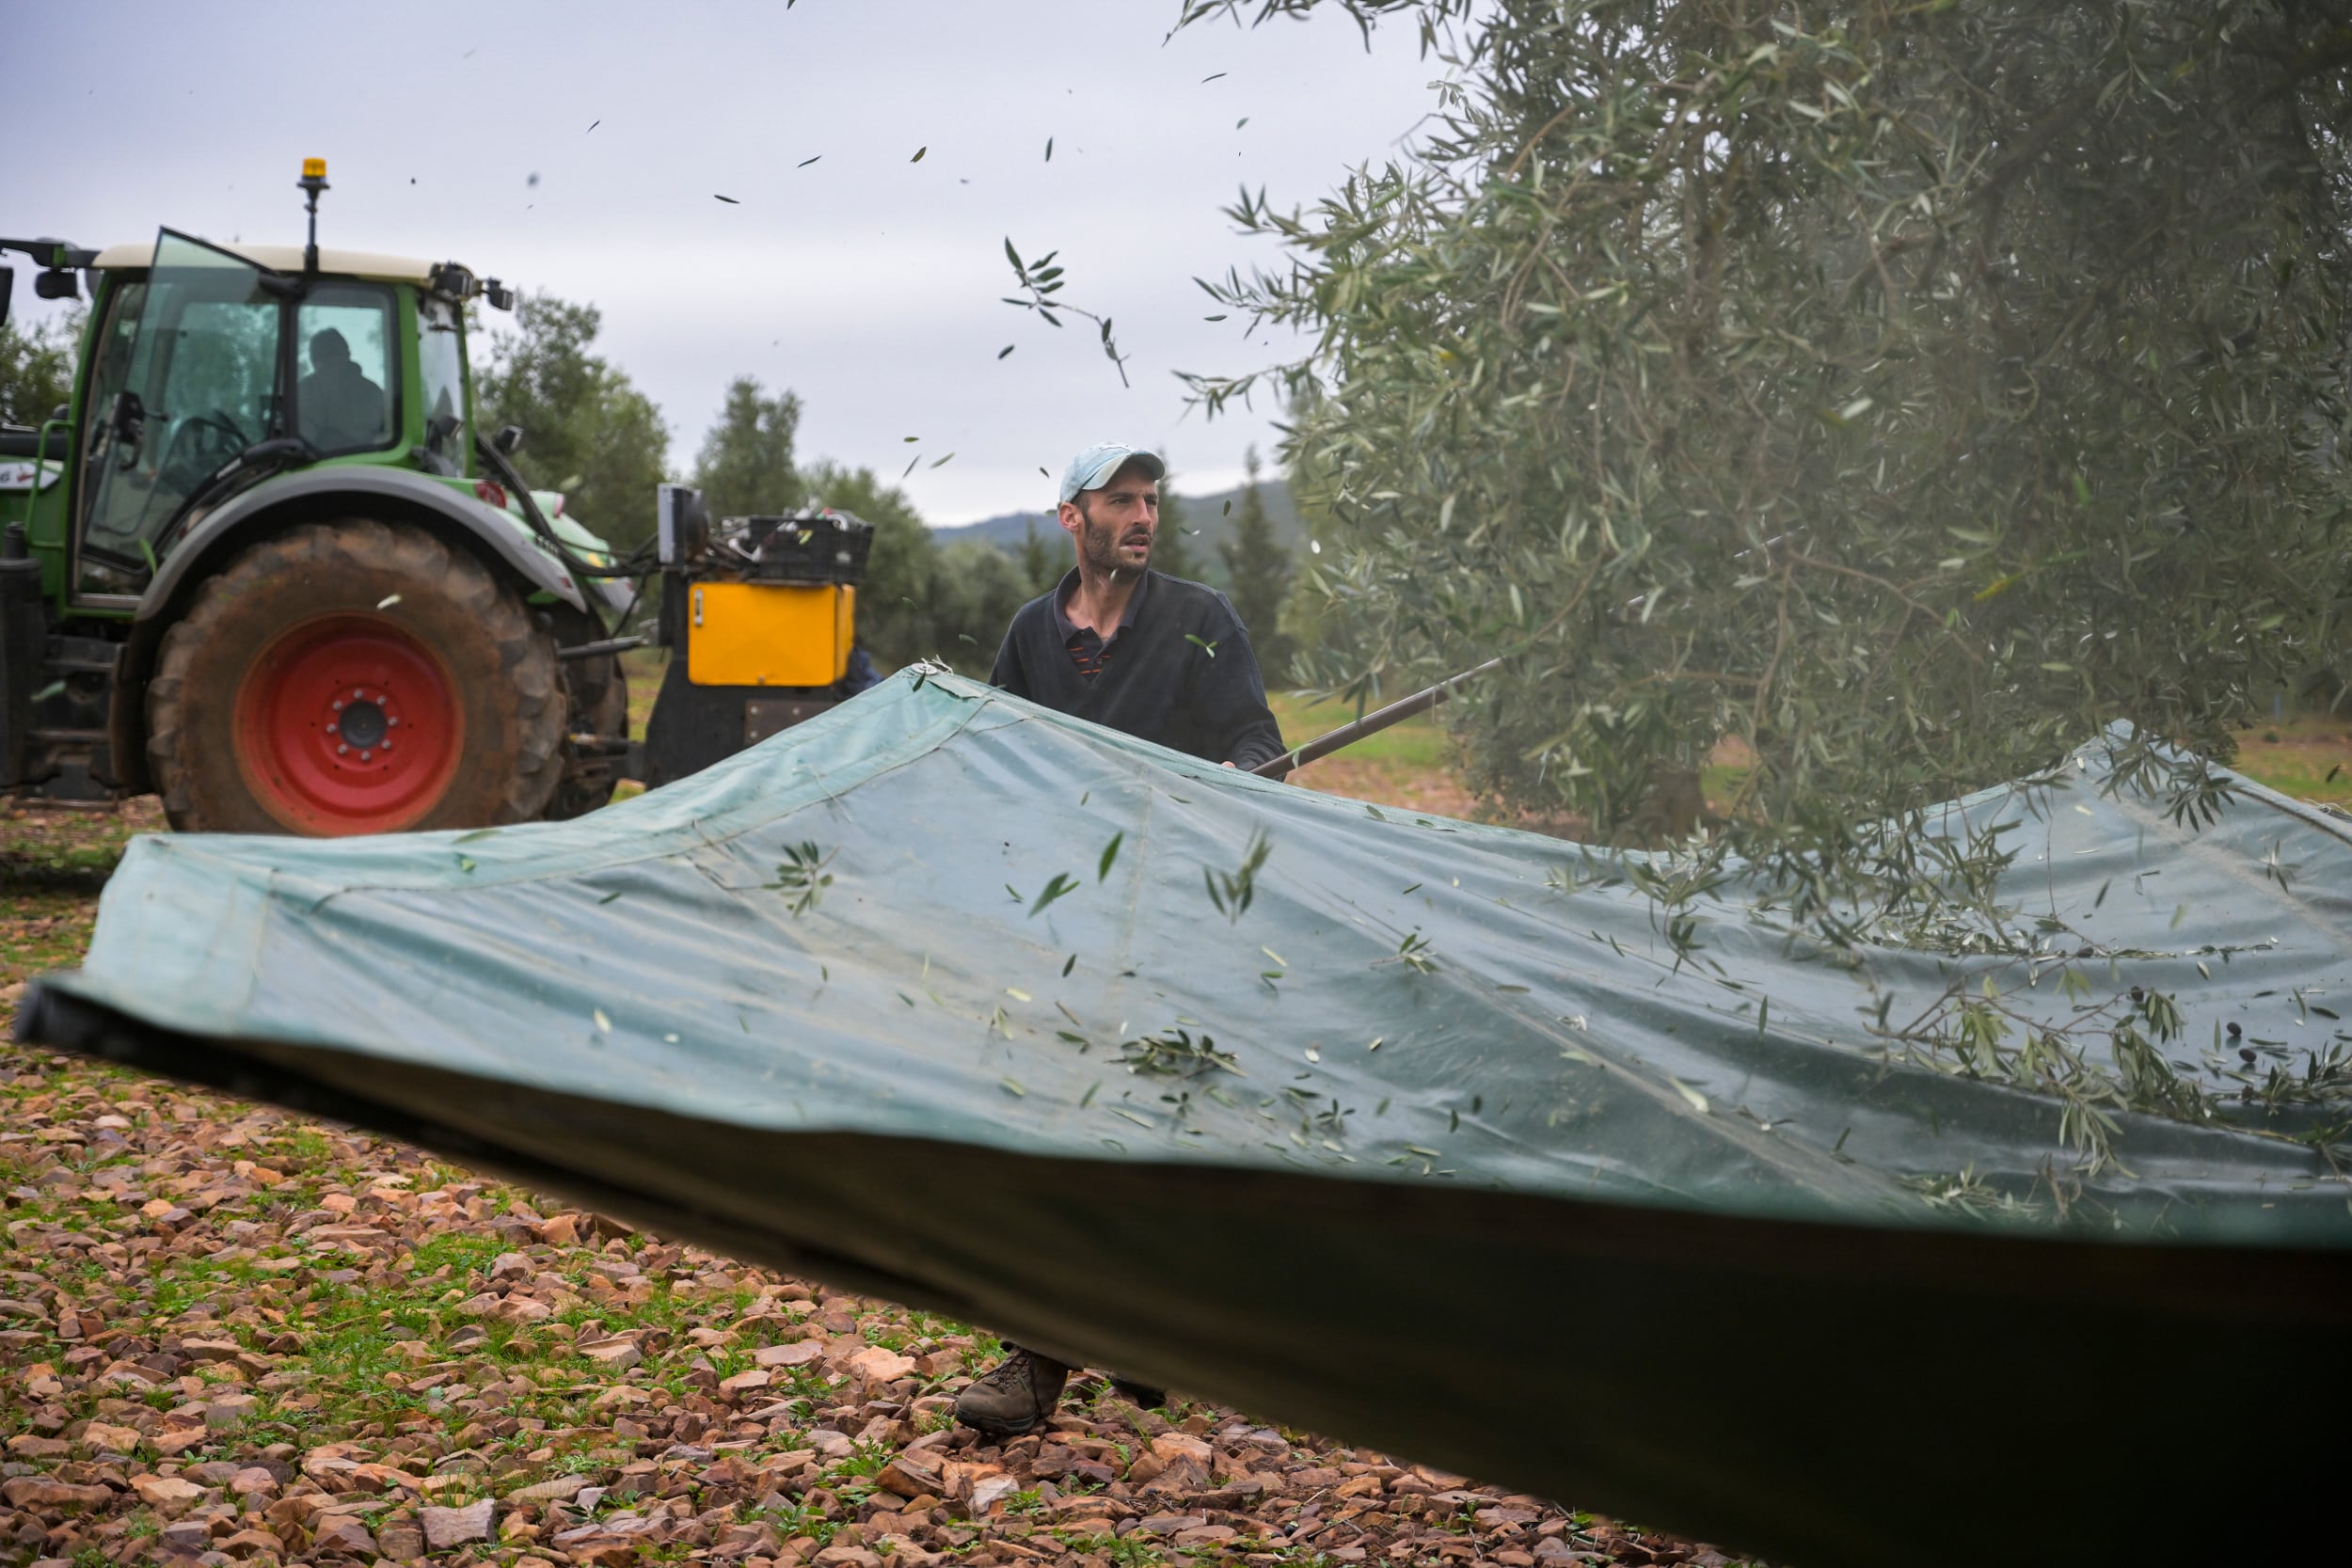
<point x="1179" y="672"/>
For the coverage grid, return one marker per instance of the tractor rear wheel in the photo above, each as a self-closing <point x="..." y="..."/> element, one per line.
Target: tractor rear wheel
<point x="355" y="677"/>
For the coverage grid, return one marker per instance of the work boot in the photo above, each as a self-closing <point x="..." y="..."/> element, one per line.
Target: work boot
<point x="1015" y="1396"/>
<point x="1140" y="1394"/>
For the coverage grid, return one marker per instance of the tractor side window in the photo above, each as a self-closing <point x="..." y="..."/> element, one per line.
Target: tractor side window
<point x="343" y="391"/>
<point x="442" y="368"/>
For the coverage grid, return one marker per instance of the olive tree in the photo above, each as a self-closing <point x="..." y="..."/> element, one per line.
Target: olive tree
<point x="1904" y="394"/>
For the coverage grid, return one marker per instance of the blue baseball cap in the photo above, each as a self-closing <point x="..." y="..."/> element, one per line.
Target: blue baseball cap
<point x="1099" y="463"/>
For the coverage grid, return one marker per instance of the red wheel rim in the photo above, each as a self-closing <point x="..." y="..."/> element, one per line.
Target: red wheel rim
<point x="348" y="725"/>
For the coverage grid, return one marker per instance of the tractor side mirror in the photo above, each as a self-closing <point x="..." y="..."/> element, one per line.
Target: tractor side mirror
<point x="7" y="291"/>
<point x="56" y="283"/>
<point x="498" y="294"/>
<point x="509" y="441"/>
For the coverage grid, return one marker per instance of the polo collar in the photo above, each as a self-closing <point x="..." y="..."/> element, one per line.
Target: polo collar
<point x="1068" y="585"/>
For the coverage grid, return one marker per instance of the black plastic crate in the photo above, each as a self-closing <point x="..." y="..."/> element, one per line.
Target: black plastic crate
<point x="809" y="547"/>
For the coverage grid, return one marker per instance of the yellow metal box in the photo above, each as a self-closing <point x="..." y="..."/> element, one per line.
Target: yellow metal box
<point x="768" y="633"/>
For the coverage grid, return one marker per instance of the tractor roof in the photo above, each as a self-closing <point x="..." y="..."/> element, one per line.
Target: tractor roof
<point x="287" y="258"/>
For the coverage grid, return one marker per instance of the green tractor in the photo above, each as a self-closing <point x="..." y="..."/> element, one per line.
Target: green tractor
<point x="265" y="565"/>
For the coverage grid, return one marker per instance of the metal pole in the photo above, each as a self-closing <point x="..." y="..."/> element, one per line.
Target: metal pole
<point x="1372" y="723"/>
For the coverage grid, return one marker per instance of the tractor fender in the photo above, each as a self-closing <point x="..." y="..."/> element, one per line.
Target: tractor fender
<point x="390" y="494"/>
<point x="475" y="522"/>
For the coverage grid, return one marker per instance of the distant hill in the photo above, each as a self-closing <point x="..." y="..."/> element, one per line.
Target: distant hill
<point x="1207" y="518"/>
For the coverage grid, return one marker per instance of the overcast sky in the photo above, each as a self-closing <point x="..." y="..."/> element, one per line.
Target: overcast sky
<point x="868" y="284"/>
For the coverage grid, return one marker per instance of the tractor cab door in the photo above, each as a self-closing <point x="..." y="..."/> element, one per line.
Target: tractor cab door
<point x="191" y="372"/>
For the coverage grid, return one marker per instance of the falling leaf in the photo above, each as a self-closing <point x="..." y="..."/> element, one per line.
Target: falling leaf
<point x="592" y="125"/>
<point x="805" y="162"/>
<point x="464" y="863"/>
<point x="604" y="1024"/>
<point x="1205" y="80"/>
<point x="1275" y="956"/>
<point x="1242" y="122"/>
<point x="910" y="463"/>
<point x="1698" y="1101"/>
<point x="1011" y="1086"/>
<point x="1018" y="995"/>
<point x="1110" y="854"/>
<point x="728" y="199"/>
<point x="1210" y="648"/>
<point x="1002" y="352"/>
<point x="1063" y="883"/>
<point x="1229" y="506"/>
<point x="936" y="462"/>
<point x="1049" y="149"/>
<point x="1067" y="964"/>
<point x="388" y="601"/>
<point x="608" y="898"/>
<point x="919" y="155"/>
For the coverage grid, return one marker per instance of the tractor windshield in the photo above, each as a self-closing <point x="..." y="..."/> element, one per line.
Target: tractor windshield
<point x="196" y="383"/>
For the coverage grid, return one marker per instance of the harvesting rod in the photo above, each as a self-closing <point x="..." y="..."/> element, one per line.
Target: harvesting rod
<point x="1373" y="723"/>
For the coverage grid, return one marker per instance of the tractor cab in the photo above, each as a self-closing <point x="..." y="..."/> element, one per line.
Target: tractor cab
<point x="211" y="368"/>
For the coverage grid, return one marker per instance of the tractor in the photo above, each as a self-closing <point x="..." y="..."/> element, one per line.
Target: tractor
<point x="266" y="565"/>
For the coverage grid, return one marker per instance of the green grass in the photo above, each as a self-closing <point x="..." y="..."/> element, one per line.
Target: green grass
<point x="1417" y="743"/>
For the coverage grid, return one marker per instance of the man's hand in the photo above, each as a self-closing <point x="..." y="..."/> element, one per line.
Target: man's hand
<point x="1225" y="765"/>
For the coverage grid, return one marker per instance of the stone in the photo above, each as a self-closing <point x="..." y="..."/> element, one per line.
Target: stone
<point x="171" y="1445"/>
<point x="562" y="1489"/>
<point x="753" y="1540"/>
<point x="210" y="1350"/>
<point x="847" y="1557"/>
<point x="26" y="1445"/>
<point x="252" y="1481"/>
<point x="797" y="1354"/>
<point x="912" y="1475"/>
<point x="1511" y="1557"/>
<point x="1171" y="1523"/>
<point x="99" y="1438"/>
<point x="341" y="1533"/>
<point x="1200" y="1535"/>
<point x="1171" y="1446"/>
<point x="445" y="1527"/>
<point x="618" y="1354"/>
<point x="988" y="1493"/>
<point x="41" y="1491"/>
<point x="166" y="1494"/>
<point x="562" y="1231"/>
<point x="745" y="1382"/>
<point x="400" y="1542"/>
<point x="876" y="1365"/>
<point x="244" y="1542"/>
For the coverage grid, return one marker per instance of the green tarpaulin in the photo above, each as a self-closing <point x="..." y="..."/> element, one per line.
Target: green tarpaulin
<point x="1434" y="1144"/>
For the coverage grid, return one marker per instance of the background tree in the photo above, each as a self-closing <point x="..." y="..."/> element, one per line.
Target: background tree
<point x="1259" y="569"/>
<point x="1044" y="558"/>
<point x="589" y="432"/>
<point x="37" y="369"/>
<point x="744" y="467"/>
<point x="1175" y="549"/>
<point x="920" y="601"/>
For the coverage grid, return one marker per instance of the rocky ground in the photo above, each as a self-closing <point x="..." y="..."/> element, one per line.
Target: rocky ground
<point x="234" y="1336"/>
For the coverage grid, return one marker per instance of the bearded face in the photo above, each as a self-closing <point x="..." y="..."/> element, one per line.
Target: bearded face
<point x="1115" y="525"/>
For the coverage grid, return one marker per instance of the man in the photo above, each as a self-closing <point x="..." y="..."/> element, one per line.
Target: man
<point x="1156" y="656"/>
<point x="340" y="409"/>
<point x="1128" y="647"/>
